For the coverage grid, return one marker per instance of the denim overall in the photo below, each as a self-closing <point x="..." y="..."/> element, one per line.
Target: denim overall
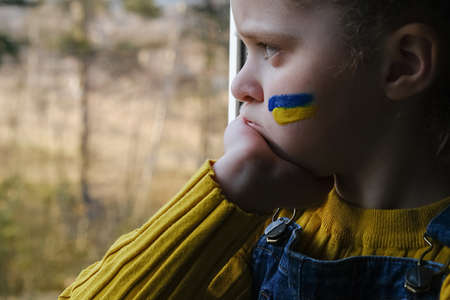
<point x="281" y="273"/>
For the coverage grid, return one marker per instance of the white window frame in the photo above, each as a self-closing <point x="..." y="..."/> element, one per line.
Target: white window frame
<point x="235" y="64"/>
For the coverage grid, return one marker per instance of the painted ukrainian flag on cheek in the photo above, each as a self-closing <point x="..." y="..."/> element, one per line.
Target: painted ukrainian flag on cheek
<point x="292" y="108"/>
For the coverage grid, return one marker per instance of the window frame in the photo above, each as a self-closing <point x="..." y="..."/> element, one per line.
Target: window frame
<point x="236" y="61"/>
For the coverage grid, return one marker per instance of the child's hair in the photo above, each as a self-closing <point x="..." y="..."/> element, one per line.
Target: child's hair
<point x="366" y="23"/>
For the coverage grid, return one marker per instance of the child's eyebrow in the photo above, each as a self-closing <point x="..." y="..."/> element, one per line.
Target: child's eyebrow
<point x="265" y="35"/>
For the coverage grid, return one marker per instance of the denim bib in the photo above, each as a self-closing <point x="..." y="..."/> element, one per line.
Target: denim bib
<point x="281" y="273"/>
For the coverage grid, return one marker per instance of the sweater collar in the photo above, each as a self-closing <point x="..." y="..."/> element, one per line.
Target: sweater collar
<point x="378" y="228"/>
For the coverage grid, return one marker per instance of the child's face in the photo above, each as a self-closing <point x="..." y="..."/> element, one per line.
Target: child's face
<point x="296" y="49"/>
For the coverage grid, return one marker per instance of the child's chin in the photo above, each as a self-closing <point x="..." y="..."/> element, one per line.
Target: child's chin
<point x="314" y="165"/>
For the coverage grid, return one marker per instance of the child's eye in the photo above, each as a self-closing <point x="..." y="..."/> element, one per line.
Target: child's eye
<point x="269" y="51"/>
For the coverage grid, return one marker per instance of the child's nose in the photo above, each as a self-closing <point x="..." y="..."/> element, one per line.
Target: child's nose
<point x="246" y="87"/>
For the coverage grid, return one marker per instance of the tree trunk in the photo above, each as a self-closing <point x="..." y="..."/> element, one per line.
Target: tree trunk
<point x="83" y="19"/>
<point x="85" y="132"/>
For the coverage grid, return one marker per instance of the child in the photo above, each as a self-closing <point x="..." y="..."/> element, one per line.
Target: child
<point x="343" y="95"/>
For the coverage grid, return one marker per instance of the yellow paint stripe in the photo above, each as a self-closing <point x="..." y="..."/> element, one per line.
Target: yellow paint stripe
<point x="289" y="115"/>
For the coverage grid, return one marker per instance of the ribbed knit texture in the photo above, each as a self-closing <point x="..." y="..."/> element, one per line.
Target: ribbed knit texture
<point x="198" y="246"/>
<point x="338" y="230"/>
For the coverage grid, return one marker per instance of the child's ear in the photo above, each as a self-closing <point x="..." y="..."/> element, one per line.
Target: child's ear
<point x="410" y="61"/>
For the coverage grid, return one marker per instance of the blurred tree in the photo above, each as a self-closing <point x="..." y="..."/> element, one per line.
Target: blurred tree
<point x="212" y="23"/>
<point x="82" y="12"/>
<point x="147" y="9"/>
<point x="20" y="2"/>
<point x="9" y="46"/>
<point x="78" y="43"/>
<point x="144" y="8"/>
<point x="210" y="26"/>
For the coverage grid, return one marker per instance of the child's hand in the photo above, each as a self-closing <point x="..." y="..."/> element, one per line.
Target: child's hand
<point x="257" y="180"/>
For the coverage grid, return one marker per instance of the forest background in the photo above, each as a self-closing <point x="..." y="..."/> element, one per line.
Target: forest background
<point x="107" y="107"/>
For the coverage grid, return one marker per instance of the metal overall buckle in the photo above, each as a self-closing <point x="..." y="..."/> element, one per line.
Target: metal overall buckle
<point x="420" y="278"/>
<point x="275" y="231"/>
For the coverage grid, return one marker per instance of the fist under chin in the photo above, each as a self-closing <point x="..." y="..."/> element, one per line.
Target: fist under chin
<point x="241" y="135"/>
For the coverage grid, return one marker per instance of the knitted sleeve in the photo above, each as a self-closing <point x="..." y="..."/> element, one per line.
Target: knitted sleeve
<point x="195" y="247"/>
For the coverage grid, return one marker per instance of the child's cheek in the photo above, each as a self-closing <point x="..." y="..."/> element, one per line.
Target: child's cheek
<point x="292" y="108"/>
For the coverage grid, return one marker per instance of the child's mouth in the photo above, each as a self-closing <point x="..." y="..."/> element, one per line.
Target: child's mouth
<point x="250" y="123"/>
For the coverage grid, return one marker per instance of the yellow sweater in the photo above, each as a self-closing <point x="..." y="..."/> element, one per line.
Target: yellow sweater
<point x="198" y="245"/>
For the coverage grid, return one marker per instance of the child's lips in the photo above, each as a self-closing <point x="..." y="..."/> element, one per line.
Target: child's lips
<point x="258" y="128"/>
<point x="250" y="123"/>
<point x="255" y="126"/>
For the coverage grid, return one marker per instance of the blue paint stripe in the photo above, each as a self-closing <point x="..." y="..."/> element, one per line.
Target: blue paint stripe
<point x="290" y="101"/>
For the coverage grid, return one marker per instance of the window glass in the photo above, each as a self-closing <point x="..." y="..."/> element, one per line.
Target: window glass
<point x="107" y="107"/>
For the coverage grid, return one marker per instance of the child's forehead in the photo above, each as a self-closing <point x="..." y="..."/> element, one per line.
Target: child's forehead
<point x="266" y="8"/>
<point x="279" y="15"/>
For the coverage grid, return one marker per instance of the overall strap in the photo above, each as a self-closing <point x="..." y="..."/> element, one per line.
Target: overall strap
<point x="439" y="227"/>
